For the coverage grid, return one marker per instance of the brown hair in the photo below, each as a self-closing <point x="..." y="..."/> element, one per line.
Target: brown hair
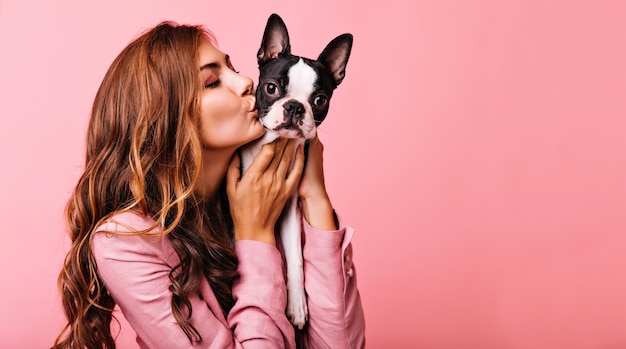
<point x="144" y="154"/>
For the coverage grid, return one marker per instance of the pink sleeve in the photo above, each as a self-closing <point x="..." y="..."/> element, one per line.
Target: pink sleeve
<point x="258" y="316"/>
<point x="135" y="271"/>
<point x="336" y="317"/>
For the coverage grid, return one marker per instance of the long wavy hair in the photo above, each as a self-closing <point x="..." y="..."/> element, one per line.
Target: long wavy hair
<point x="144" y="154"/>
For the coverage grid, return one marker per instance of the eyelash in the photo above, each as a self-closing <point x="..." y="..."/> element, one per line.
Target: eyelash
<point x="212" y="84"/>
<point x="216" y="82"/>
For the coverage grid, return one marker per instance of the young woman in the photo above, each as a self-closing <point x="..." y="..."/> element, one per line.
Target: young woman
<point x="163" y="224"/>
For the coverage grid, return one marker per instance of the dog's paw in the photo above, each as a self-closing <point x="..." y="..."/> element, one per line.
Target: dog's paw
<point x="297" y="310"/>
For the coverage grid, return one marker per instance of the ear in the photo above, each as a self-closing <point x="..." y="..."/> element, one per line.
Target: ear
<point x="335" y="56"/>
<point x="275" y="40"/>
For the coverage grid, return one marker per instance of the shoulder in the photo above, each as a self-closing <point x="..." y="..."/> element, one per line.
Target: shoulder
<point x="131" y="236"/>
<point x="127" y="223"/>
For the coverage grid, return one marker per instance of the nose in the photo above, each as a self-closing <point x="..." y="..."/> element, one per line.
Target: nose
<point x="293" y="111"/>
<point x="244" y="86"/>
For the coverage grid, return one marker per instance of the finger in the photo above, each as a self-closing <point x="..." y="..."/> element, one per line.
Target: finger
<point x="316" y="143"/>
<point x="283" y="166"/>
<point x="281" y="144"/>
<point x="233" y="173"/>
<point x="315" y="139"/>
<point x="263" y="159"/>
<point x="296" y="172"/>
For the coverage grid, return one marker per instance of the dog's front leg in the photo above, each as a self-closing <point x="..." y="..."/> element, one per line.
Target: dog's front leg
<point x="291" y="237"/>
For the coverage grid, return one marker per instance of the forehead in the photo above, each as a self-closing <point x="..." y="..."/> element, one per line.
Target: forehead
<point x="283" y="68"/>
<point x="209" y="53"/>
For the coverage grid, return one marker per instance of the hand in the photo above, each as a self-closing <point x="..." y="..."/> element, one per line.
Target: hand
<point x="257" y="199"/>
<point x="314" y="200"/>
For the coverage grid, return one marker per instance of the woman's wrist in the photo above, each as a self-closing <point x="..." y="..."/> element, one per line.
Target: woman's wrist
<point x="263" y="235"/>
<point x="318" y="212"/>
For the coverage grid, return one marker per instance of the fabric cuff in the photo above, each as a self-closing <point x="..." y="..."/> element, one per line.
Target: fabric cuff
<point x="323" y="238"/>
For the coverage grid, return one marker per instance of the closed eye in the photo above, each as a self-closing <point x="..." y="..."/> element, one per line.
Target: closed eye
<point x="212" y="84"/>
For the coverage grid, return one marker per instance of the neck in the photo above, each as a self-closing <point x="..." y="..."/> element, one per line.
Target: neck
<point x="214" y="166"/>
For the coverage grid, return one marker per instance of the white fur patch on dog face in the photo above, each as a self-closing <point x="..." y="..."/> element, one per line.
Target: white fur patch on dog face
<point x="302" y="79"/>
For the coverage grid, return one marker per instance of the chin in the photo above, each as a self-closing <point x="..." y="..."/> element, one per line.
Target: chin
<point x="260" y="130"/>
<point x="256" y="136"/>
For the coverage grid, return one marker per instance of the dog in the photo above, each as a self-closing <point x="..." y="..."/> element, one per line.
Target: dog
<point x="292" y="97"/>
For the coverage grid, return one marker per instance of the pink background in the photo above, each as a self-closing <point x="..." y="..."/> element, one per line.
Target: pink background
<point x="477" y="147"/>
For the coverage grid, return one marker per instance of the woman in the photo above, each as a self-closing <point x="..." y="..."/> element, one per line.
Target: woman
<point x="164" y="225"/>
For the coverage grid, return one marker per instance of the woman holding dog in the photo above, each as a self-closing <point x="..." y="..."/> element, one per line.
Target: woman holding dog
<point x="163" y="224"/>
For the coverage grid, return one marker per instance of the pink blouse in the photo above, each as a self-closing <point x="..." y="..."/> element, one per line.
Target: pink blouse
<point x="135" y="271"/>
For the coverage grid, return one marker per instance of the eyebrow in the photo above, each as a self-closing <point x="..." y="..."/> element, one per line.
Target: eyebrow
<point x="213" y="65"/>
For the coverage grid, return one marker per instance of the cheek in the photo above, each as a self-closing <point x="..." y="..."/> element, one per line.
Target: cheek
<point x="220" y="107"/>
<point x="212" y="112"/>
<point x="221" y="121"/>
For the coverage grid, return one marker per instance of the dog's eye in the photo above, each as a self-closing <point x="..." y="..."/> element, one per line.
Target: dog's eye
<point x="320" y="100"/>
<point x="271" y="88"/>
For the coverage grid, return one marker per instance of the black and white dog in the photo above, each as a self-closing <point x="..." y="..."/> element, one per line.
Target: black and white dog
<point x="292" y="98"/>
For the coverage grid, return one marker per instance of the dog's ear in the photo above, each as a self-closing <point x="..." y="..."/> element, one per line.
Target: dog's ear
<point x="335" y="56"/>
<point x="275" y="40"/>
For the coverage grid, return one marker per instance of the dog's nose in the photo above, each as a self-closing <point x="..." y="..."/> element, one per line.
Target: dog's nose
<point x="293" y="111"/>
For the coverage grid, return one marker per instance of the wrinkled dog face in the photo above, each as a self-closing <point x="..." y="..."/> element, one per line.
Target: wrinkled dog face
<point x="294" y="92"/>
